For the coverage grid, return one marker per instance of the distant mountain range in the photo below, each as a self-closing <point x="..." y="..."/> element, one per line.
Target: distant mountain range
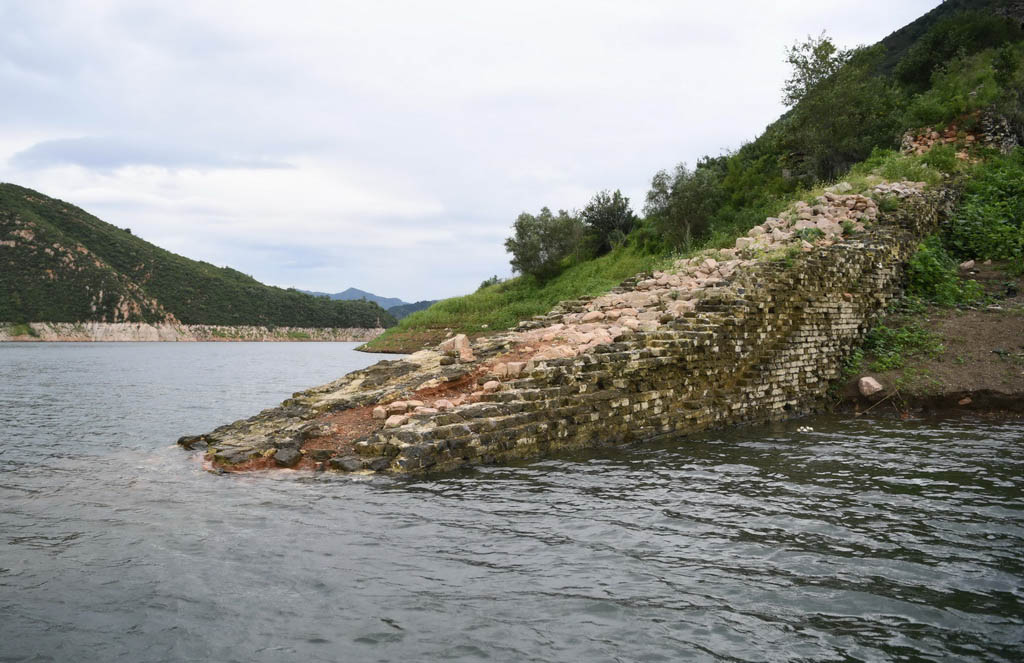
<point x="392" y="305"/>
<point x="59" y="263"/>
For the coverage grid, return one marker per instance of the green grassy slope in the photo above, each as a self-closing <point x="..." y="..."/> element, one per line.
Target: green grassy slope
<point x="61" y="264"/>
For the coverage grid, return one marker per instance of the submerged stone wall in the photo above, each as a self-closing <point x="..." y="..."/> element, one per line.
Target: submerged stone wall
<point x="761" y="345"/>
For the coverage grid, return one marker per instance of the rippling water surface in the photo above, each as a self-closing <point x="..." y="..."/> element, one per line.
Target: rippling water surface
<point x="862" y="541"/>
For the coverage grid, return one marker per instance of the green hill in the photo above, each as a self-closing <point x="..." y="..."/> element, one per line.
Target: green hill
<point x="59" y="263"/>
<point x="957" y="70"/>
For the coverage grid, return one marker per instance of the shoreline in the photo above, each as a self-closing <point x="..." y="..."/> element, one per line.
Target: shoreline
<point x="135" y="332"/>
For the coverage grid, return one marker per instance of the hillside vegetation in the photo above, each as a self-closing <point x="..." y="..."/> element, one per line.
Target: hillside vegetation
<point x="61" y="264"/>
<point x="955" y="69"/>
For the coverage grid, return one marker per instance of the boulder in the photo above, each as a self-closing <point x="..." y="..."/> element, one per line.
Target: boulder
<point x="346" y="463"/>
<point x="380" y="412"/>
<point x="968" y="264"/>
<point x="869" y="386"/>
<point x="395" y="420"/>
<point x="397" y="407"/>
<point x="491" y="386"/>
<point x="458" y="344"/>
<point x="593" y="316"/>
<point x="443" y="404"/>
<point x="744" y="242"/>
<point x="287" y="457"/>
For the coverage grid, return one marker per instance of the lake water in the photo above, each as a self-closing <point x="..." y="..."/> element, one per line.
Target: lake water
<point x="861" y="541"/>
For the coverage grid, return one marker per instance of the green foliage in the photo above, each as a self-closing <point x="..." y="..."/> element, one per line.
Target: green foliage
<point x="942" y="158"/>
<point x="541" y="243"/>
<point x="932" y="275"/>
<point x="841" y="119"/>
<point x="891" y="346"/>
<point x="989" y="221"/>
<point x="963" y="34"/>
<point x="681" y="204"/>
<point x="488" y="282"/>
<point x="608" y="219"/>
<point x="810" y="234"/>
<point x="813" y="61"/>
<point x="893" y="166"/>
<point x="22" y="329"/>
<point x="963" y="85"/>
<point x="138" y="281"/>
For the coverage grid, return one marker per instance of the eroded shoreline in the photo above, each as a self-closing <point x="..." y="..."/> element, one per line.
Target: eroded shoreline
<point x="77" y="332"/>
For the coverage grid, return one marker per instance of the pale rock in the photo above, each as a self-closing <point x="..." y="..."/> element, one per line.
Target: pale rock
<point x="443" y="404"/>
<point x="397" y="407"/>
<point x="380" y="413"/>
<point x="413" y="404"/>
<point x="869" y="386"/>
<point x="500" y="370"/>
<point x="612" y="315"/>
<point x="515" y="368"/>
<point x="425" y="410"/>
<point x="755" y="231"/>
<point x="395" y="420"/>
<point x="744" y="242"/>
<point x="968" y="264"/>
<point x="593" y="316"/>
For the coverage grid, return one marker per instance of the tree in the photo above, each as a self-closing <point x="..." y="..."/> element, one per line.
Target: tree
<point x="608" y="218"/>
<point x="813" y="61"/>
<point x="681" y="204"/>
<point x="840" y="118"/>
<point x="540" y="243"/>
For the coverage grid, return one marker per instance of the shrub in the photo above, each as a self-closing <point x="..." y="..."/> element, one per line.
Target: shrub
<point x="541" y="243"/>
<point x="609" y="219"/>
<point x="681" y="205"/>
<point x="989" y="222"/>
<point x="932" y="275"/>
<point x="891" y="346"/>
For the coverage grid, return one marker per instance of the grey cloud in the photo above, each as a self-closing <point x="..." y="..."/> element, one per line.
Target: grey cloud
<point x="108" y="153"/>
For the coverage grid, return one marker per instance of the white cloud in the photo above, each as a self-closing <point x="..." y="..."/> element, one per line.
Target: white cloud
<point x="413" y="132"/>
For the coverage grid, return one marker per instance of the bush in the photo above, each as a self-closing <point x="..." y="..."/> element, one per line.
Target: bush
<point x="609" y="219"/>
<point x="681" y="205"/>
<point x="541" y="243"/>
<point x="932" y="275"/>
<point x="989" y="222"/>
<point x="892" y="345"/>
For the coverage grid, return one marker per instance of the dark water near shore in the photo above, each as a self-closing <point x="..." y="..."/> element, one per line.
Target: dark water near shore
<point x="861" y="541"/>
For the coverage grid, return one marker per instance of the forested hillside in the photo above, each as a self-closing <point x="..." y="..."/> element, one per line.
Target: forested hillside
<point x="953" y="78"/>
<point x="60" y="264"/>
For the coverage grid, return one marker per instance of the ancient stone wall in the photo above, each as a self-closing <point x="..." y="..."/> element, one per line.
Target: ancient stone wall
<point x="762" y="348"/>
<point x="755" y="339"/>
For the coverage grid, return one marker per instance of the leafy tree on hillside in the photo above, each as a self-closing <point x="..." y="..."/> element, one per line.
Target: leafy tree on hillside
<point x="842" y="117"/>
<point x="813" y="61"/>
<point x="608" y="218"/>
<point x="540" y="243"/>
<point x="682" y="204"/>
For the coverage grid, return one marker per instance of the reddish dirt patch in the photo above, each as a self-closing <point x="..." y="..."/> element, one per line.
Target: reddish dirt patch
<point x="347" y="427"/>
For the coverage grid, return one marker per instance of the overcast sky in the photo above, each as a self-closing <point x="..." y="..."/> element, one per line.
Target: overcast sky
<point x="383" y="145"/>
